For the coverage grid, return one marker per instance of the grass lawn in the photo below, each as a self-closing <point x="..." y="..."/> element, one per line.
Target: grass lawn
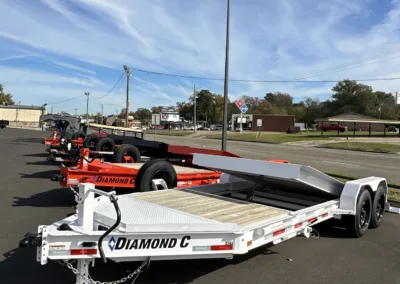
<point x="268" y="137"/>
<point x="363" y="146"/>
<point x="393" y="195"/>
<point x="265" y="137"/>
<point x="169" y="133"/>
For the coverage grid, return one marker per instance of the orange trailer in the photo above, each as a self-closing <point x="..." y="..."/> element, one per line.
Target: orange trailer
<point x="132" y="176"/>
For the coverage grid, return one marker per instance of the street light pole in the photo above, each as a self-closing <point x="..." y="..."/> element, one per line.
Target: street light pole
<point x="87" y="107"/>
<point x="225" y="122"/>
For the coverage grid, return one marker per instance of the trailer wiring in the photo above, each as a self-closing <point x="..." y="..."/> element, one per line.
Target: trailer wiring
<point x="114" y="201"/>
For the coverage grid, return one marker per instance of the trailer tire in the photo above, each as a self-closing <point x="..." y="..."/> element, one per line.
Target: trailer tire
<point x="378" y="207"/>
<point x="91" y="141"/>
<point x="155" y="169"/>
<point x="105" y="144"/>
<point x="358" y="224"/>
<point x="78" y="134"/>
<point x="126" y="150"/>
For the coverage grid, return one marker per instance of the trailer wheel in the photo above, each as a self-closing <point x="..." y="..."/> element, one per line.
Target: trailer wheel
<point x="378" y="207"/>
<point x="155" y="169"/>
<point x="91" y="141"/>
<point x="358" y="224"/>
<point x="105" y="144"/>
<point x="125" y="150"/>
<point x="78" y="134"/>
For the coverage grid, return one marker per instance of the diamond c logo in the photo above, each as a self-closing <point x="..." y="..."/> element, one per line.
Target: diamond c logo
<point x="111" y="243"/>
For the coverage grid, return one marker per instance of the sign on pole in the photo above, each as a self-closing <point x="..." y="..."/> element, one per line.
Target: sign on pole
<point x="239" y="103"/>
<point x="397" y="98"/>
<point x="259" y="122"/>
<point x="242" y="106"/>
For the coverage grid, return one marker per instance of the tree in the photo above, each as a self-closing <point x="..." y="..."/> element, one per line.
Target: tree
<point x="5" y="98"/>
<point x="218" y="111"/>
<point x="282" y="103"/>
<point x="204" y="105"/>
<point x="156" y="109"/>
<point x="142" y="114"/>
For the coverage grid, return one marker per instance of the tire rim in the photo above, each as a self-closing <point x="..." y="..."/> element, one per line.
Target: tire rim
<point x="128" y="157"/>
<point x="159" y="175"/>
<point x="92" y="144"/>
<point x="106" y="147"/>
<point x="365" y="215"/>
<point x="380" y="208"/>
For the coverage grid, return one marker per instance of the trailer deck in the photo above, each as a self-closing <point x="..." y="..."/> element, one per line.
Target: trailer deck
<point x="184" y="208"/>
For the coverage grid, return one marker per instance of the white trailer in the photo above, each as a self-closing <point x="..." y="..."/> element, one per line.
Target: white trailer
<point x="255" y="203"/>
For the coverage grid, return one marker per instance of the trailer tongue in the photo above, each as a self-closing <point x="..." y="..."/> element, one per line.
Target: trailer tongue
<point x="210" y="221"/>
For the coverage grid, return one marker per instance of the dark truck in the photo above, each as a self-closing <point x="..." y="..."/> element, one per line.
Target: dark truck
<point x="4" y="123"/>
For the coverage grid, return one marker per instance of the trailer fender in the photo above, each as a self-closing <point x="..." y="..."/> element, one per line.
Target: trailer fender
<point x="126" y="150"/>
<point x="352" y="189"/>
<point x="155" y="169"/>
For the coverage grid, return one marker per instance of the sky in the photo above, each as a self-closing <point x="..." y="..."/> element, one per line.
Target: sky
<point x="52" y="50"/>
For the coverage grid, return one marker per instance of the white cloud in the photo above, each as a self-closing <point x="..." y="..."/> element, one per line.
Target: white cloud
<point x="270" y="40"/>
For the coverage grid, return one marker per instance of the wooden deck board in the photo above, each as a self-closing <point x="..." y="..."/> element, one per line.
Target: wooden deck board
<point x="210" y="207"/>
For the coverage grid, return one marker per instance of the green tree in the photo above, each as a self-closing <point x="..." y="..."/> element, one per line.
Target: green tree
<point x="142" y="114"/>
<point x="156" y="109"/>
<point x="5" y="98"/>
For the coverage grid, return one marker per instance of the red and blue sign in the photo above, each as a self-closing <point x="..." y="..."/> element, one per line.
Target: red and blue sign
<point x="242" y="106"/>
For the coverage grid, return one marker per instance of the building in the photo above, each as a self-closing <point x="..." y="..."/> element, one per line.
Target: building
<point x="168" y="117"/>
<point x="357" y="122"/>
<point x="263" y="122"/>
<point x="22" y="115"/>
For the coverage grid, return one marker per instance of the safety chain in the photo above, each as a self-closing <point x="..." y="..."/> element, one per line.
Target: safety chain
<point x="122" y="280"/>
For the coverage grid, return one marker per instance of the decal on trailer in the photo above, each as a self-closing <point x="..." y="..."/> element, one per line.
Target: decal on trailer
<point x="123" y="243"/>
<point x="113" y="180"/>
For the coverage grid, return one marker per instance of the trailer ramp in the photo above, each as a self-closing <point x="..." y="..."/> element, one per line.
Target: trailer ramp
<point x="291" y="178"/>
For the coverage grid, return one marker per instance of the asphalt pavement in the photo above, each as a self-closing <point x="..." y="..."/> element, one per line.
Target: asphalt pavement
<point x="339" y="161"/>
<point x="29" y="198"/>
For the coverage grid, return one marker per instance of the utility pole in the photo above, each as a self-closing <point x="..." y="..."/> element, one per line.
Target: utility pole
<point x="225" y="123"/>
<point x="128" y="75"/>
<point x="102" y="115"/>
<point x="87" y="107"/>
<point x="194" y="102"/>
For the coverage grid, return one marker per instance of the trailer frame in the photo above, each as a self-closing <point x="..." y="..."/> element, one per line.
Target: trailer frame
<point x="105" y="227"/>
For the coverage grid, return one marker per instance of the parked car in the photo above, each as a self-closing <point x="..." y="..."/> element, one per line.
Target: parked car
<point x="334" y="127"/>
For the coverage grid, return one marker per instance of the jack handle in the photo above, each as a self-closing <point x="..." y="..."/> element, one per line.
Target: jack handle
<point x="114" y="201"/>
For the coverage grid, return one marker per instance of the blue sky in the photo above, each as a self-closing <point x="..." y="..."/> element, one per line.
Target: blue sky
<point x="52" y="50"/>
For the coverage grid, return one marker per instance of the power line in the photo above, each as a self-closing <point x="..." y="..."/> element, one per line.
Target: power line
<point x="259" y="81"/>
<point x="343" y="66"/>
<point x="74" y="98"/>
<point x="122" y="75"/>
<point x="60" y="102"/>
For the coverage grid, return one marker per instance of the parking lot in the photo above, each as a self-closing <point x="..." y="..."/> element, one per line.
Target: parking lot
<point x="29" y="198"/>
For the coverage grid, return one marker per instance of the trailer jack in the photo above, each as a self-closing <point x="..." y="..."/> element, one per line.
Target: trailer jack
<point x="31" y="240"/>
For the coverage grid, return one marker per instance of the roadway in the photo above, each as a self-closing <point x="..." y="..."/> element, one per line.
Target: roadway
<point x="337" y="161"/>
<point x="29" y="198"/>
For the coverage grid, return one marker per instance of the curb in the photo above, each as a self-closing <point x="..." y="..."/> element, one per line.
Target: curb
<point x="366" y="151"/>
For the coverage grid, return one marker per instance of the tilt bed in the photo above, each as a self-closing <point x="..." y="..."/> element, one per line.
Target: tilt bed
<point x="256" y="203"/>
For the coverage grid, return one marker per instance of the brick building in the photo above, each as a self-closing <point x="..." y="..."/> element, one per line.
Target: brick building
<point x="263" y="122"/>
